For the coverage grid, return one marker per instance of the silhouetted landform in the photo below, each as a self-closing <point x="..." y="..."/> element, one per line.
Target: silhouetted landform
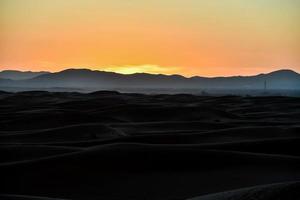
<point x="87" y="80"/>
<point x="19" y="75"/>
<point x="266" y="192"/>
<point x="109" y="145"/>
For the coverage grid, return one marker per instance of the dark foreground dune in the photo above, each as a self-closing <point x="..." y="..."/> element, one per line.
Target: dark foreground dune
<point x="107" y="145"/>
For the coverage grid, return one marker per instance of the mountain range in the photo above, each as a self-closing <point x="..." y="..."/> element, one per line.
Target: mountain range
<point x="19" y="75"/>
<point x="97" y="80"/>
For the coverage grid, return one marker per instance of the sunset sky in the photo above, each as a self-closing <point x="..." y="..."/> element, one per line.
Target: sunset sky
<point x="188" y="37"/>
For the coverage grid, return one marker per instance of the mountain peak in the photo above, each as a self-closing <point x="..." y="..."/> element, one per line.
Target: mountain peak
<point x="284" y="71"/>
<point x="75" y="70"/>
<point x="283" y="74"/>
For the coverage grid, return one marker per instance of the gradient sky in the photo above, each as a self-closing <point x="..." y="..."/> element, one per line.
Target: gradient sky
<point x="188" y="37"/>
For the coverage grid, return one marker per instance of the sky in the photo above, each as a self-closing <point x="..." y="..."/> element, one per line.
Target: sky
<point x="188" y="37"/>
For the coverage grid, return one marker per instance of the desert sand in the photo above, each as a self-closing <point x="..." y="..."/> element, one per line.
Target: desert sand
<point x="110" y="145"/>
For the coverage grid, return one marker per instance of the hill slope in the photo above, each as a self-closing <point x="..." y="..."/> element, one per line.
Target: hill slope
<point x="84" y="78"/>
<point x="19" y="75"/>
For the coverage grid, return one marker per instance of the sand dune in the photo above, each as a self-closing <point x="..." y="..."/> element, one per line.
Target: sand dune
<point x="287" y="191"/>
<point x="108" y="145"/>
<point x="133" y="171"/>
<point x="25" y="197"/>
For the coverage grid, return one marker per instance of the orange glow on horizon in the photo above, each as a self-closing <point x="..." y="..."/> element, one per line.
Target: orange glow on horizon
<point x="205" y="38"/>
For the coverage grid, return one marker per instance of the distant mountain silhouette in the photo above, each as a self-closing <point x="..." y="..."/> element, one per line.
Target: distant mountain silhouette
<point x="19" y="75"/>
<point x="85" y="78"/>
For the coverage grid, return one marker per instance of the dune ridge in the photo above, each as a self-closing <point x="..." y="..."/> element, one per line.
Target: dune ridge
<point x="111" y="145"/>
<point x="287" y="191"/>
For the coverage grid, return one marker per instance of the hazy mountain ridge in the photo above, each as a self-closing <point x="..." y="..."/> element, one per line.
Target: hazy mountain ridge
<point x="85" y="78"/>
<point x="20" y="75"/>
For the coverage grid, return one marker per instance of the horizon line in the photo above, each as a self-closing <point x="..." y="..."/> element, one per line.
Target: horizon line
<point x="178" y="74"/>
